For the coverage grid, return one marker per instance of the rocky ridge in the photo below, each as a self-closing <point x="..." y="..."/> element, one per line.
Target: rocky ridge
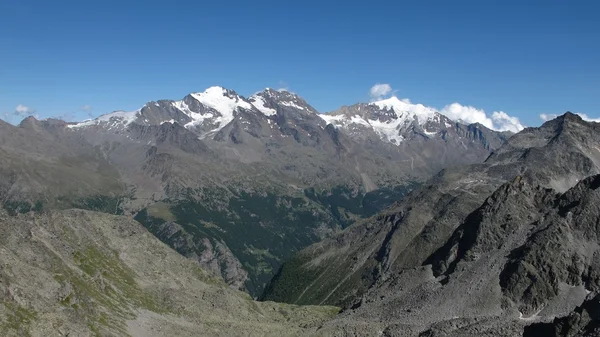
<point x="516" y="233"/>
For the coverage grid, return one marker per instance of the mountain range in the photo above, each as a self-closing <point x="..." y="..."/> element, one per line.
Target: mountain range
<point x="238" y="184"/>
<point x="384" y="218"/>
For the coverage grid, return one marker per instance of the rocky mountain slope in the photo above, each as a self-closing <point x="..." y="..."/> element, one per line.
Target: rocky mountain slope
<point x="44" y="167"/>
<point x="81" y="273"/>
<point x="583" y="321"/>
<point x="238" y="184"/>
<point x="516" y="233"/>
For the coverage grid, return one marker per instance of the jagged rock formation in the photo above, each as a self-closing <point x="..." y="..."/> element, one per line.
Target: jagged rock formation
<point x="522" y="250"/>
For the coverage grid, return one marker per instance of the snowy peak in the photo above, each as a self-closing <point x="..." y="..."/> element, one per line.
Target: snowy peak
<point x="406" y="110"/>
<point x="211" y="110"/>
<point x="269" y="101"/>
<point x="204" y="112"/>
<point x="222" y="100"/>
<point x="393" y="120"/>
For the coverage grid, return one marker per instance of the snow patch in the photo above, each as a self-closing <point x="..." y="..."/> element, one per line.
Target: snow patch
<point x="197" y="118"/>
<point x="259" y="103"/>
<point x="335" y="120"/>
<point x="293" y="105"/>
<point x="406" y="110"/>
<point x="123" y="118"/>
<point x="533" y="317"/>
<point x="388" y="131"/>
<point x="358" y="120"/>
<point x="216" y="98"/>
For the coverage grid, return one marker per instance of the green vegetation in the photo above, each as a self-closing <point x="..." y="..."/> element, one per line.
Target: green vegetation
<point x="300" y="282"/>
<point x="17" y="319"/>
<point x="263" y="230"/>
<point x="342" y="202"/>
<point x="99" y="203"/>
<point x="106" y="292"/>
<point x="16" y="207"/>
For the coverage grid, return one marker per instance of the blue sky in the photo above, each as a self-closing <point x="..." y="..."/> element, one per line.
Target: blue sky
<point x="78" y="58"/>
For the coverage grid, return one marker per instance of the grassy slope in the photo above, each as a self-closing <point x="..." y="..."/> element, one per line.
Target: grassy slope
<point x="82" y="272"/>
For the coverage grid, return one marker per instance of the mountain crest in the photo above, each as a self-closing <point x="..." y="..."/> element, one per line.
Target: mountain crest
<point x="281" y="100"/>
<point x="406" y="110"/>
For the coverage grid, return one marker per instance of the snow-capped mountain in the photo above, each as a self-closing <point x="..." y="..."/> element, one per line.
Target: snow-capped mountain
<point x="208" y="112"/>
<point x="231" y="165"/>
<point x="279" y="114"/>
<point x="203" y="112"/>
<point x="392" y="119"/>
<point x="273" y="119"/>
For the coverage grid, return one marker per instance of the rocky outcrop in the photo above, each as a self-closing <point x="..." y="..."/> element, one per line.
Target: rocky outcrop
<point x="584" y="321"/>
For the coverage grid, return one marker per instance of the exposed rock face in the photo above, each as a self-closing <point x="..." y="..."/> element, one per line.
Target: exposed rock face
<point x="563" y="250"/>
<point x="212" y="256"/>
<point x="556" y="155"/>
<point x="583" y="321"/>
<point x="516" y="233"/>
<point x="526" y="255"/>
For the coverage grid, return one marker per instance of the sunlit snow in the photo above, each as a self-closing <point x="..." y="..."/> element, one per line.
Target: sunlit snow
<point x="259" y="103"/>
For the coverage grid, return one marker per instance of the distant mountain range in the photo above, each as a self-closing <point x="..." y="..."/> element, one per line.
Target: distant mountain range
<point x="238" y="184"/>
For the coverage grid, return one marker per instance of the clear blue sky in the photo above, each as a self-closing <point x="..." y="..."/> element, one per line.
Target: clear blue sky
<point x="522" y="57"/>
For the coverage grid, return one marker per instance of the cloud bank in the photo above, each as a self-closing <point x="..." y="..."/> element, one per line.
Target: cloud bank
<point x="499" y="120"/>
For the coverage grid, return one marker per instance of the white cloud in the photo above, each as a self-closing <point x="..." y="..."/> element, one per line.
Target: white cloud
<point x="499" y="121"/>
<point x="86" y="108"/>
<point x="466" y="114"/>
<point x="502" y="121"/>
<point x="547" y="117"/>
<point x="587" y="118"/>
<point x="22" y="110"/>
<point x="379" y="90"/>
